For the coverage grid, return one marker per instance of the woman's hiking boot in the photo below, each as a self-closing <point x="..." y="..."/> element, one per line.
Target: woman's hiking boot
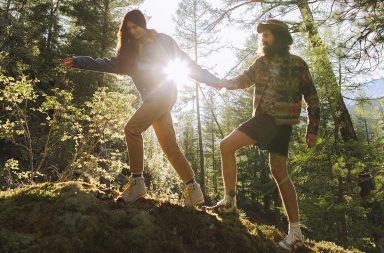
<point x="193" y="195"/>
<point x="133" y="190"/>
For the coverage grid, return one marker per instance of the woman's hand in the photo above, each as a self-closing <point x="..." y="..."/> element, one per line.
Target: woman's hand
<point x="68" y="62"/>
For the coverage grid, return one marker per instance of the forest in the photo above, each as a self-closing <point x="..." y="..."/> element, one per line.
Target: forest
<point x="59" y="126"/>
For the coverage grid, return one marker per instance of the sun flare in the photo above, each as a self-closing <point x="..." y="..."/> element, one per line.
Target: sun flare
<point x="178" y="71"/>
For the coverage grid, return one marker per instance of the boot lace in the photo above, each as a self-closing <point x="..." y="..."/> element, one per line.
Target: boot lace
<point x="128" y="186"/>
<point x="188" y="192"/>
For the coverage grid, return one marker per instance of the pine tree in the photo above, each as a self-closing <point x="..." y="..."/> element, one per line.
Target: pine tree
<point x="192" y="20"/>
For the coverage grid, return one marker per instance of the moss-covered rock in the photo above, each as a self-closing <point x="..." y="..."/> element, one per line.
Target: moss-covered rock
<point x="74" y="217"/>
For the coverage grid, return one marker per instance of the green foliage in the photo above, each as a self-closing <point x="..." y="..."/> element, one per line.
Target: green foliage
<point x="98" y="134"/>
<point x="328" y="191"/>
<point x="15" y="97"/>
<point x="11" y="173"/>
<point x="92" y="130"/>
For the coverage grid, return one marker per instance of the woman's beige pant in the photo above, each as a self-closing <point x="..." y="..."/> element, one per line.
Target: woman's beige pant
<point x="158" y="114"/>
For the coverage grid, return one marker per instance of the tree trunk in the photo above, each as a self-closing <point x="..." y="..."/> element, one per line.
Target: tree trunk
<point x="8" y="6"/>
<point x="201" y="150"/>
<point x="342" y="221"/>
<point x="342" y="119"/>
<point x="22" y="10"/>
<point x="381" y="111"/>
<point x="52" y="20"/>
<point x="346" y="127"/>
<point x="277" y="206"/>
<point x="214" y="177"/>
<point x="103" y="42"/>
<point x="264" y="179"/>
<point x="366" y="130"/>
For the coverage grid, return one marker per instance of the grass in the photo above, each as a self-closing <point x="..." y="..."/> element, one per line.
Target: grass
<point x="79" y="217"/>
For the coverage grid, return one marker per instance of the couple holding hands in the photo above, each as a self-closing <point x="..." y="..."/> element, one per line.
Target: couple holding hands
<point x="280" y="81"/>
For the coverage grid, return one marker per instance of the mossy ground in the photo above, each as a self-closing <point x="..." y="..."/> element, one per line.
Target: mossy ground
<point x="73" y="217"/>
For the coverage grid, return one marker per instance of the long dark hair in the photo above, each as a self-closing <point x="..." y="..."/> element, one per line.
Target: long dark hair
<point x="127" y="46"/>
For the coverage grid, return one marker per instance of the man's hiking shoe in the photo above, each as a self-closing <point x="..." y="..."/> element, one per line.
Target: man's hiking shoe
<point x="292" y="242"/>
<point x="226" y="205"/>
<point x="193" y="195"/>
<point x="133" y="190"/>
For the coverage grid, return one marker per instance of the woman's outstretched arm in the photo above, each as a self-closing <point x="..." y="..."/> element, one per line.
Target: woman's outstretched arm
<point x="89" y="63"/>
<point x="196" y="72"/>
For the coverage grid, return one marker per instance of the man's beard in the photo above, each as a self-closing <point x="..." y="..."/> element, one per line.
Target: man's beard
<point x="270" y="50"/>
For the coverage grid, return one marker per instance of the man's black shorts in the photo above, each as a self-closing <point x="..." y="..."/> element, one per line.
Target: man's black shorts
<point x="268" y="136"/>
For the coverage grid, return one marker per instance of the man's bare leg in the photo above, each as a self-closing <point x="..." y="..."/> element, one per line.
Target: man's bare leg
<point x="278" y="166"/>
<point x="228" y="146"/>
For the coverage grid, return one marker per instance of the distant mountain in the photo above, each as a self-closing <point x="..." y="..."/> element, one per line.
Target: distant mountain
<point x="372" y="89"/>
<point x="375" y="88"/>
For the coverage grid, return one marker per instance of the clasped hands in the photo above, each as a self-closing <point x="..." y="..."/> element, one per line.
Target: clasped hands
<point x="223" y="83"/>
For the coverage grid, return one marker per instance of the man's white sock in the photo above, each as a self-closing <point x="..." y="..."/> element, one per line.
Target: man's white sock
<point x="229" y="198"/>
<point x="294" y="228"/>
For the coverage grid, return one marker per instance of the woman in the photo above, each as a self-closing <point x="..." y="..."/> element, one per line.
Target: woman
<point x="143" y="54"/>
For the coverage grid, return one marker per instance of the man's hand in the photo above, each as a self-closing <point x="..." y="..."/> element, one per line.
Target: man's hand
<point x="311" y="140"/>
<point x="68" y="62"/>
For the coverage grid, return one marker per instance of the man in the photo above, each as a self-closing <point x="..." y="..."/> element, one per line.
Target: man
<point x="280" y="80"/>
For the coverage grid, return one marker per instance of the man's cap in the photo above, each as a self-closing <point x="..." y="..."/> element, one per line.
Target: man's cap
<point x="276" y="25"/>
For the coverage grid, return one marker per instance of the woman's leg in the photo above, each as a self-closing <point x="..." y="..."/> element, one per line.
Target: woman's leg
<point x="141" y="120"/>
<point x="167" y="139"/>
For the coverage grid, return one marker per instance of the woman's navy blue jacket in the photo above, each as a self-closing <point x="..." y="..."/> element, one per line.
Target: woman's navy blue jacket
<point x="156" y="50"/>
